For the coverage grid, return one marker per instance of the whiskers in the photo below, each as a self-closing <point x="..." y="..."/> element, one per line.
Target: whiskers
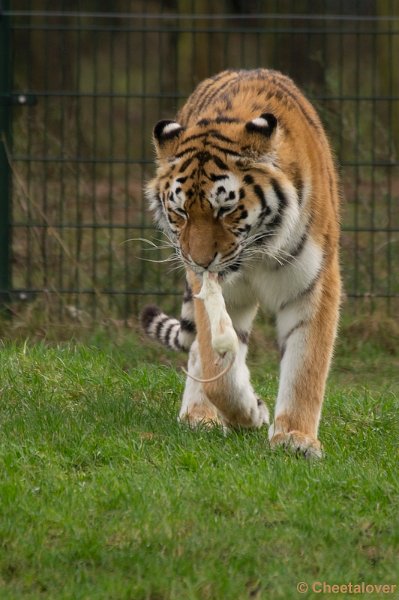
<point x="252" y="250"/>
<point x="167" y="243"/>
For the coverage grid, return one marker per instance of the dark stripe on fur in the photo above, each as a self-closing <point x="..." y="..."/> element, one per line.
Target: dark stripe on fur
<point x="160" y="325"/>
<point x="214" y="177"/>
<point x="168" y="329"/>
<point x="210" y="133"/>
<point x="259" y="192"/>
<point x="225" y="150"/>
<point x="201" y="92"/>
<point x="223" y="138"/>
<point x="297" y="251"/>
<point x="303" y="293"/>
<point x="243" y="336"/>
<point x="277" y="79"/>
<point x="167" y="334"/>
<point x="301" y="323"/>
<point x="291" y="256"/>
<point x="148" y="315"/>
<point x="218" y="161"/>
<point x="226" y="120"/>
<point x="188" y="294"/>
<point x="187" y="325"/>
<point x="185" y="151"/>
<point x="195" y="136"/>
<point x="230" y="253"/>
<point x="279" y="193"/>
<point x="207" y="99"/>
<point x="186" y="164"/>
<point x="298" y="182"/>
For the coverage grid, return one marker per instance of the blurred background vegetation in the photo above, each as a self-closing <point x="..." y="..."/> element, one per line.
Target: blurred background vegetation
<point x="94" y="80"/>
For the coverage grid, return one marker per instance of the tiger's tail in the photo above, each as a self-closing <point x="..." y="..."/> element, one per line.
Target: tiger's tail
<point x="176" y="334"/>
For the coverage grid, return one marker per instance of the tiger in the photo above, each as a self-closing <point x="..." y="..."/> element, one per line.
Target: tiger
<point x="246" y="186"/>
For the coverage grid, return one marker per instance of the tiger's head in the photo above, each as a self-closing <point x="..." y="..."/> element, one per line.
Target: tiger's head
<point x="217" y="191"/>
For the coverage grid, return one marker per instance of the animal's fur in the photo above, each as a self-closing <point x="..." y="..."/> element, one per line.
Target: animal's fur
<point x="246" y="187"/>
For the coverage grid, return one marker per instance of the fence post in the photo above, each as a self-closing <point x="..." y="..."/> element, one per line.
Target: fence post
<point x="5" y="176"/>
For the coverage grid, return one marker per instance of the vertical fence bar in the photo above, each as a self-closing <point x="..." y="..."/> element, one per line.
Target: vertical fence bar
<point x="5" y="175"/>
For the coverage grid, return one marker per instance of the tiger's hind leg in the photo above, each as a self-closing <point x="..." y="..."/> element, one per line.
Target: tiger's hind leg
<point x="306" y="331"/>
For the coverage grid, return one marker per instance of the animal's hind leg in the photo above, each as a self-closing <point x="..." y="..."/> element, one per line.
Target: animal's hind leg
<point x="196" y="409"/>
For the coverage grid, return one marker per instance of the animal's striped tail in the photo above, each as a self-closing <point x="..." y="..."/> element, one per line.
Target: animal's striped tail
<point x="173" y="333"/>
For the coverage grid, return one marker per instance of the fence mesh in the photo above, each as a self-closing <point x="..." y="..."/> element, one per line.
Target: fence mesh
<point x="87" y="86"/>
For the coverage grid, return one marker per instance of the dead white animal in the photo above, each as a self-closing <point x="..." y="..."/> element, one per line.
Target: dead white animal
<point x="224" y="339"/>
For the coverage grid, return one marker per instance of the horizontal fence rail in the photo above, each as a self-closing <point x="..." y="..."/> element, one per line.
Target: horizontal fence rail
<point x="80" y="91"/>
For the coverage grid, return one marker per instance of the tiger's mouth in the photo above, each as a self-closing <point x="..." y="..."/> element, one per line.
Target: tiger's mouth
<point x="223" y="270"/>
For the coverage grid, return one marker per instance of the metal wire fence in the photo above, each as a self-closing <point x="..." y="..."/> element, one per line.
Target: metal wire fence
<point x="81" y="90"/>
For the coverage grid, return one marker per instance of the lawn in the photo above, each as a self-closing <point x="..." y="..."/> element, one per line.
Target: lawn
<point x="103" y="495"/>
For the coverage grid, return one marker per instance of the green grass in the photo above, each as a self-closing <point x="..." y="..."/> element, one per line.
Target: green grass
<point x="104" y="495"/>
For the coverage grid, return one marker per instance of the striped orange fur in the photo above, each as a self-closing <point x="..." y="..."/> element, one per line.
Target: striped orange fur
<point x="246" y="187"/>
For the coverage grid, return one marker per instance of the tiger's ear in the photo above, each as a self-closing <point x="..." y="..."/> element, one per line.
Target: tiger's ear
<point x="166" y="137"/>
<point x="264" y="125"/>
<point x="261" y="130"/>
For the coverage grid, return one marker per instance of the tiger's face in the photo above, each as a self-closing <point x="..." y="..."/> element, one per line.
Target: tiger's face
<point x="217" y="195"/>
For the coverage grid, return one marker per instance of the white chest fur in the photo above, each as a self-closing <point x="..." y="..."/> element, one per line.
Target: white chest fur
<point x="272" y="287"/>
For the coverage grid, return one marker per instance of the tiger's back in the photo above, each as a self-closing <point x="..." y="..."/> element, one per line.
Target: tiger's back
<point x="246" y="186"/>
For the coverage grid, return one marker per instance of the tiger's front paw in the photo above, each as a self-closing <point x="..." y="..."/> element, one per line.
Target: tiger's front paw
<point x="200" y="414"/>
<point x="298" y="442"/>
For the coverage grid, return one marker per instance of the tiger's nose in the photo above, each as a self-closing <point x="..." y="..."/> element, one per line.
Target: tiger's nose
<point x="204" y="261"/>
